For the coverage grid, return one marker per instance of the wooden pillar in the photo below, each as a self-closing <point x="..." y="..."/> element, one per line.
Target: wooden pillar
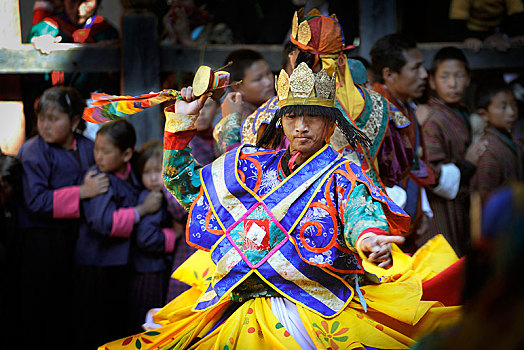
<point x="10" y="36"/>
<point x="377" y="18"/>
<point x="12" y="121"/>
<point x="140" y="71"/>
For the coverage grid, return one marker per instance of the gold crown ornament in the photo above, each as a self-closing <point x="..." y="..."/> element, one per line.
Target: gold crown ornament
<point x="304" y="87"/>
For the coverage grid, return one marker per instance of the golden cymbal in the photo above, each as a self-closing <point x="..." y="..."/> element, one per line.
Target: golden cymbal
<point x="208" y="80"/>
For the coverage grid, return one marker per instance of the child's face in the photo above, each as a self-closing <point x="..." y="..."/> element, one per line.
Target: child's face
<point x="55" y="126"/>
<point x="258" y="84"/>
<point x="450" y="81"/>
<point x="152" y="174"/>
<point x="502" y="111"/>
<point x="108" y="157"/>
<point x="207" y="114"/>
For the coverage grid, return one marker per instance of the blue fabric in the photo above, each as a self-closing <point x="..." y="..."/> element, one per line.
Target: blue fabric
<point x="311" y="218"/>
<point x="148" y="246"/>
<point x="45" y="169"/>
<point x="411" y="198"/>
<point x="358" y="71"/>
<point x="94" y="245"/>
<point x="361" y="296"/>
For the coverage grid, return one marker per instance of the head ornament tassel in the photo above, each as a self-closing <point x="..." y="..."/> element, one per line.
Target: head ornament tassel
<point x="317" y="34"/>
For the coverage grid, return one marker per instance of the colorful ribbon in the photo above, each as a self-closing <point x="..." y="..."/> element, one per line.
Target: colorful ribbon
<point x="106" y="107"/>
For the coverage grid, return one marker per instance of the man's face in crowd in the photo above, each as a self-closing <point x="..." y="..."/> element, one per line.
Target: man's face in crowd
<point x="410" y="82"/>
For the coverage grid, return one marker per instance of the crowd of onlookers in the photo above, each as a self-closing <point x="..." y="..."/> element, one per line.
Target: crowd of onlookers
<point x="89" y="234"/>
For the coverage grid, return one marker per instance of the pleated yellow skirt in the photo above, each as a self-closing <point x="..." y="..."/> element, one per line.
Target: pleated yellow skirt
<point x="396" y="316"/>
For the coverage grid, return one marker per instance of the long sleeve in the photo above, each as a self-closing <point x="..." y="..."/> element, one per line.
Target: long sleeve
<point x="446" y="135"/>
<point x="66" y="203"/>
<point x="180" y="170"/>
<point x="152" y="238"/>
<point x="105" y="217"/>
<point x="396" y="154"/>
<point x="48" y="26"/>
<point x="227" y="132"/>
<point x="41" y="197"/>
<point x="395" y="157"/>
<point x="435" y="146"/>
<point x="439" y="152"/>
<point x="38" y="194"/>
<point x="362" y="215"/>
<point x="489" y="174"/>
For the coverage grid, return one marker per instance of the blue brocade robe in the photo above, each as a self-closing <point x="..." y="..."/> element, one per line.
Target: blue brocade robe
<point x="298" y="235"/>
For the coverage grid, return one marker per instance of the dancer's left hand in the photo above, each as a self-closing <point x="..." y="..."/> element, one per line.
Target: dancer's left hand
<point x="377" y="249"/>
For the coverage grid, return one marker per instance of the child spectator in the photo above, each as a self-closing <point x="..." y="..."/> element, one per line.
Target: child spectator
<point x="154" y="240"/>
<point x="503" y="160"/>
<point x="103" y="246"/>
<point x="54" y="163"/>
<point x="447" y="135"/>
<point x="257" y="85"/>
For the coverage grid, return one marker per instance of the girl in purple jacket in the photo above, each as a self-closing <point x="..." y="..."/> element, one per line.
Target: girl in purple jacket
<point x="54" y="181"/>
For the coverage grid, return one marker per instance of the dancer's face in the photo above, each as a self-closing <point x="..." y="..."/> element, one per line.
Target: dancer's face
<point x="306" y="134"/>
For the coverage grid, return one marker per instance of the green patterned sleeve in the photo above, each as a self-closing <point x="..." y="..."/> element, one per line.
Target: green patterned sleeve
<point x="180" y="170"/>
<point x="227" y="132"/>
<point x="362" y="214"/>
<point x="181" y="174"/>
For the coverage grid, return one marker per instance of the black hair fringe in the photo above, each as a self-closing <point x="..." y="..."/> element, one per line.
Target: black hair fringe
<point x="272" y="135"/>
<point x="304" y="56"/>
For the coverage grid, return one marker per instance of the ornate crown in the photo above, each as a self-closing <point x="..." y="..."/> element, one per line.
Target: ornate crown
<point x="304" y="87"/>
